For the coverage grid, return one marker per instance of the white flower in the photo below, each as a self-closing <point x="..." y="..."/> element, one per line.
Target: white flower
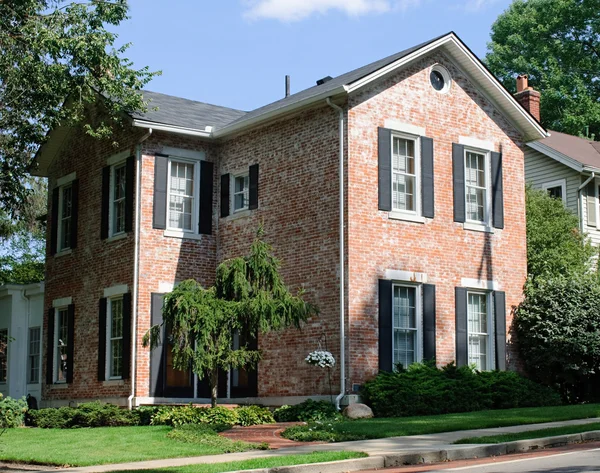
<point x="320" y="358"/>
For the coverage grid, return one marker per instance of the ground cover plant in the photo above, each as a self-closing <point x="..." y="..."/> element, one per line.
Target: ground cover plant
<point x="533" y="434"/>
<point x="344" y="430"/>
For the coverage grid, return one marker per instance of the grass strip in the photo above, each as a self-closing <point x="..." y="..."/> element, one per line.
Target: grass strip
<point x="267" y="462"/>
<point x="533" y="434"/>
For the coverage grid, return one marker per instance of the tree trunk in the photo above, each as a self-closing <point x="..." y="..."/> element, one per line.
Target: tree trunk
<point x="214" y="387"/>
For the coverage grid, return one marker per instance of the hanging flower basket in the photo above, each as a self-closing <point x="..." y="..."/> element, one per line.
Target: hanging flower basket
<point x="320" y="358"/>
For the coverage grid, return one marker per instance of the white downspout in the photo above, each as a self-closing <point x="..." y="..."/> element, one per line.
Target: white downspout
<point x="136" y="259"/>
<point x="342" y="276"/>
<point x="580" y="201"/>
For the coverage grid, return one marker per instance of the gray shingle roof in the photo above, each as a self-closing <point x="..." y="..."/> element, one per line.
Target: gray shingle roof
<point x="581" y="150"/>
<point x="186" y="113"/>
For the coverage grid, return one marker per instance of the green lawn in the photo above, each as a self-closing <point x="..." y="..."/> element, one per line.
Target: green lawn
<point x="83" y="447"/>
<point x="269" y="462"/>
<point x="400" y="426"/>
<point x="533" y="434"/>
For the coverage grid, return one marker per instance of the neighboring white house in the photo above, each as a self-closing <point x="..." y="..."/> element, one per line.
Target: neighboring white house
<point x="21" y="316"/>
<point x="568" y="167"/>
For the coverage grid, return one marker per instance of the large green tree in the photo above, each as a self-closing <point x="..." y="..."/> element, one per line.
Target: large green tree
<point x="557" y="43"/>
<point x="56" y="58"/>
<point x="248" y="297"/>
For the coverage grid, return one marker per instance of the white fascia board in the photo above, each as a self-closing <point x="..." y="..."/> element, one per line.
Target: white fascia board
<point x="280" y="111"/>
<point x="172" y="129"/>
<point x="556" y="155"/>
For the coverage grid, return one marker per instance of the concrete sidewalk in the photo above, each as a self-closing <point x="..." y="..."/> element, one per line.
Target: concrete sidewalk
<point x="418" y="446"/>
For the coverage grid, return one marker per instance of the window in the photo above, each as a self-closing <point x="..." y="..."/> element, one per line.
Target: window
<point x="405" y="182"/>
<point x="3" y="355"/>
<point x="241" y="188"/>
<point x="405" y="329"/>
<point x="556" y="189"/>
<point x="476" y="187"/>
<point x="65" y="217"/>
<point x="33" y="356"/>
<point x="61" y="343"/>
<point x="439" y="78"/>
<point x="115" y="338"/>
<point x="183" y="195"/>
<point x="479" y="328"/>
<point x="118" y="199"/>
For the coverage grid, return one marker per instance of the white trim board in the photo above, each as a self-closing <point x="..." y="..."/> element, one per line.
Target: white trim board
<point x="62" y="302"/>
<point x="480" y="284"/>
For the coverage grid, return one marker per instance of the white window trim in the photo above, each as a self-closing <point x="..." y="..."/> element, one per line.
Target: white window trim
<point x="410" y="215"/>
<point x="419" y="318"/>
<point x="117" y="290"/>
<point x="59" y="248"/>
<point x="562" y="183"/>
<point x="118" y="158"/>
<point x="108" y="352"/>
<point x="55" y="348"/>
<point x="180" y="232"/>
<point x="445" y="74"/>
<point x="596" y="203"/>
<point x="62" y="303"/>
<point x="491" y="346"/>
<point x="39" y="355"/>
<point x="68" y="179"/>
<point x="111" y="200"/>
<point x="408" y="128"/>
<point x="232" y="192"/>
<point x="478" y="225"/>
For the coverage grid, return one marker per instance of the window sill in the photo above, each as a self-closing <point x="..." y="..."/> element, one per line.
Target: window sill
<point x="113" y="382"/>
<point x="406" y="217"/>
<point x="478" y="227"/>
<point x="57" y="385"/>
<point x="182" y="235"/>
<point x="58" y="254"/>
<point x="118" y="237"/>
<point x="240" y="214"/>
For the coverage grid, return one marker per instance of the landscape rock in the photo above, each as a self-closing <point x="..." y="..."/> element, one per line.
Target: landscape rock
<point x="358" y="411"/>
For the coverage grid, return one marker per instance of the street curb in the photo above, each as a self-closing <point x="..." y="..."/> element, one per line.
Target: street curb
<point x="340" y="466"/>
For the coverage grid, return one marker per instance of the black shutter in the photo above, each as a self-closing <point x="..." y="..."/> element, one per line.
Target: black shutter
<point x="384" y="164"/>
<point x="102" y="339"/>
<point x="253" y="191"/>
<point x="104" y="212"/>
<point x="75" y="212"/>
<point x="157" y="372"/>
<point x="71" y="343"/>
<point x="159" y="217"/>
<point x="427" y="199"/>
<point x="462" y="348"/>
<point x="458" y="177"/>
<point x="206" y="198"/>
<point x="50" y="348"/>
<point x="54" y="221"/>
<point x="385" y="325"/>
<point x="129" y="193"/>
<point x="500" y="316"/>
<point x="497" y="194"/>
<point x="428" y="321"/>
<point x="126" y="335"/>
<point x="224" y="195"/>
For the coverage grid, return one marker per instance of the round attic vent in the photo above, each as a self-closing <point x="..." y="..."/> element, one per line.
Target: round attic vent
<point x="439" y="77"/>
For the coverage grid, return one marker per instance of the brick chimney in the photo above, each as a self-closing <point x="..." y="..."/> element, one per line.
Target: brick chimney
<point x="527" y="97"/>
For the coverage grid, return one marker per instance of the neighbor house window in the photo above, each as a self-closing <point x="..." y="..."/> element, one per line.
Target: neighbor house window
<point x="405" y="175"/>
<point x="61" y="343"/>
<point x="556" y="189"/>
<point x="476" y="186"/>
<point x="241" y="188"/>
<point x="479" y="327"/>
<point x="183" y="195"/>
<point x="115" y="338"/>
<point x="405" y="319"/>
<point x="117" y="196"/>
<point x="3" y="355"/>
<point x="34" y="355"/>
<point x="65" y="217"/>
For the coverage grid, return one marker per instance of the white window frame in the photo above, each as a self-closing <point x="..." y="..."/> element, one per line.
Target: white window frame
<point x="244" y="174"/>
<point x="57" y="311"/>
<point x="487" y="217"/>
<point x="30" y="355"/>
<point x="562" y="183"/>
<point x="109" y="339"/>
<point x="112" y="201"/>
<point x="418" y="319"/>
<point x="59" y="231"/>
<point x="174" y="231"/>
<point x="4" y="333"/>
<point x="417" y="196"/>
<point x="491" y="345"/>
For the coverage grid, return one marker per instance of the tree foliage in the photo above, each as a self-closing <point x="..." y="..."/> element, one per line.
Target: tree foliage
<point x="555" y="245"/>
<point x="557" y="43"/>
<point x="249" y="297"/>
<point x="52" y="53"/>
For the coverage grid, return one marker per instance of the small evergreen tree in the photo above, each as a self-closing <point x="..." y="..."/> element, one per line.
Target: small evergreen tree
<point x="249" y="296"/>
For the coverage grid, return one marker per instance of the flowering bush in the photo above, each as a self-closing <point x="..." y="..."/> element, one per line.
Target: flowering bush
<point x="320" y="358"/>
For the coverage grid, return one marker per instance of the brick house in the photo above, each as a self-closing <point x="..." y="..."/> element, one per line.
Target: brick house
<point x="432" y="249"/>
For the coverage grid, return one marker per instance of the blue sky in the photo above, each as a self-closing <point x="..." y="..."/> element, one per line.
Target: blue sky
<point x="236" y="53"/>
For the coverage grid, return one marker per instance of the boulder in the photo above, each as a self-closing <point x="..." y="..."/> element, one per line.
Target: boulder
<point x="358" y="411"/>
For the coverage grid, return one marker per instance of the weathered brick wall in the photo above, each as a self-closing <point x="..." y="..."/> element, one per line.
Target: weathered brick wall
<point x="439" y="247"/>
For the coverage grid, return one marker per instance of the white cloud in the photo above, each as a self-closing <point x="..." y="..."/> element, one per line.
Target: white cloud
<point x="296" y="10"/>
<point x="477" y="5"/>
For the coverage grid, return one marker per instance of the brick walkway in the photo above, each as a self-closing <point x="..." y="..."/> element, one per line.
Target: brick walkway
<point x="269" y="433"/>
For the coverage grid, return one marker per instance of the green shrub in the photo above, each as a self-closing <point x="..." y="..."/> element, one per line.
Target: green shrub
<point x="194" y="415"/>
<point x="91" y="414"/>
<point x="423" y="389"/>
<point x="12" y="412"/>
<point x="319" y="431"/>
<point x="206" y="435"/>
<point x="254" y="415"/>
<point x="306" y="411"/>
<point x="144" y="414"/>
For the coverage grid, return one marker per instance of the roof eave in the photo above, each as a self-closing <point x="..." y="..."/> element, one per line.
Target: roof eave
<point x="172" y="128"/>
<point x="557" y="156"/>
